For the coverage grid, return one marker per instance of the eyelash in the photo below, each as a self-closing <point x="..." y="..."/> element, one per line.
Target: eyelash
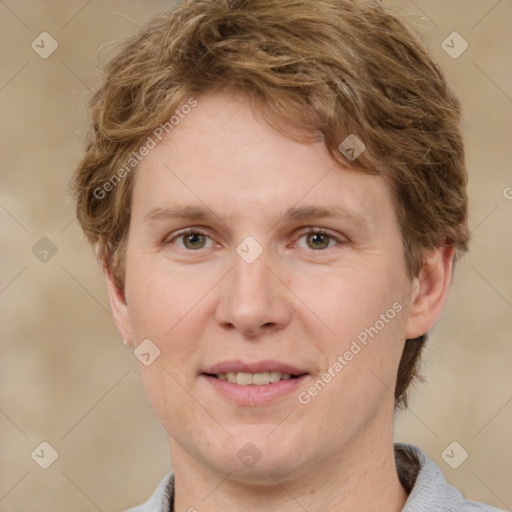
<point x="304" y="232"/>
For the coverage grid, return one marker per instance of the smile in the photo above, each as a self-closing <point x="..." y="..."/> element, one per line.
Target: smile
<point x="254" y="379"/>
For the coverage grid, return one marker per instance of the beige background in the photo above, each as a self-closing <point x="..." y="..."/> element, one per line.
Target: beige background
<point x="66" y="378"/>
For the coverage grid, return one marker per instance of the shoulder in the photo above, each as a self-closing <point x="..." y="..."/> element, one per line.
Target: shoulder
<point x="428" y="489"/>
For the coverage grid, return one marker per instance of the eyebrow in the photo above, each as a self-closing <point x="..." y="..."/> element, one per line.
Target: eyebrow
<point x="310" y="212"/>
<point x="294" y="214"/>
<point x="181" y="212"/>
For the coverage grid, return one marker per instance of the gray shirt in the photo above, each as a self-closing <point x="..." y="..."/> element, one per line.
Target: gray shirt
<point x="421" y="477"/>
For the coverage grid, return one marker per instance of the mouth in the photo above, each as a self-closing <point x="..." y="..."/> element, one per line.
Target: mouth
<point x="251" y="384"/>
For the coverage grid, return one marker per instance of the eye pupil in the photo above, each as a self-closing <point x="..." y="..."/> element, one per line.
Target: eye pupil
<point x="318" y="240"/>
<point x="194" y="241"/>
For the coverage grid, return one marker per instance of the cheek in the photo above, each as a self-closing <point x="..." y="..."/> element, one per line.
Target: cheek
<point x="349" y="301"/>
<point x="361" y="349"/>
<point x="163" y="306"/>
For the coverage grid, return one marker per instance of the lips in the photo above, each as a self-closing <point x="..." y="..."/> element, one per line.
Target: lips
<point x="251" y="384"/>
<point x="237" y="366"/>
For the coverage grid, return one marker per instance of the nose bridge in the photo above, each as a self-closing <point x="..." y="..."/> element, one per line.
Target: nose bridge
<point x="252" y="298"/>
<point x="250" y="280"/>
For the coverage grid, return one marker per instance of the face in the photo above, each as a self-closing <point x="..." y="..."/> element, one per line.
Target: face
<point x="272" y="280"/>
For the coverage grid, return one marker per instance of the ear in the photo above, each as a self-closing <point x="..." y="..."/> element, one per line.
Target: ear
<point x="429" y="291"/>
<point x="118" y="305"/>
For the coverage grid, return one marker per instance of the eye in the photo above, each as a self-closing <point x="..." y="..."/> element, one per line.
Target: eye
<point x="190" y="240"/>
<point x="315" y="239"/>
<point x="318" y="240"/>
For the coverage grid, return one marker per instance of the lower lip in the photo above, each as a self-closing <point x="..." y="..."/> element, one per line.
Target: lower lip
<point x="255" y="395"/>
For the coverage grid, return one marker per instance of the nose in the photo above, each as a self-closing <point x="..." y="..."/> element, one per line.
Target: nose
<point x="254" y="300"/>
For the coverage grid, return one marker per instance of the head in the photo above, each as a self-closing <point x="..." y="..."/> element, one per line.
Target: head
<point x="240" y="117"/>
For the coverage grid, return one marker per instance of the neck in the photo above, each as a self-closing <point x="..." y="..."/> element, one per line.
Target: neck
<point x="361" y="477"/>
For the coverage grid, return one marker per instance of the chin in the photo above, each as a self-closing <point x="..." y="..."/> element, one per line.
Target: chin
<point x="253" y="456"/>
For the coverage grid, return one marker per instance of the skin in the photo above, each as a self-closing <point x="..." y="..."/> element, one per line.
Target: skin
<point x="295" y="303"/>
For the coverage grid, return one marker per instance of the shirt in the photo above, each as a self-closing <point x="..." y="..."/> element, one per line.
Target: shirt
<point x="421" y="477"/>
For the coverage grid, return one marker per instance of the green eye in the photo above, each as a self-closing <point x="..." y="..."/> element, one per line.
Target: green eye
<point x="318" y="241"/>
<point x="190" y="240"/>
<point x="193" y="241"/>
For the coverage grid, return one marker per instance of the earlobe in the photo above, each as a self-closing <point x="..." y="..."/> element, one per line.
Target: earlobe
<point x="118" y="305"/>
<point x="429" y="291"/>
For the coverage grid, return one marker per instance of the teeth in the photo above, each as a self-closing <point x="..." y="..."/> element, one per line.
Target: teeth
<point x="256" y="379"/>
<point x="275" y="376"/>
<point x="243" y="378"/>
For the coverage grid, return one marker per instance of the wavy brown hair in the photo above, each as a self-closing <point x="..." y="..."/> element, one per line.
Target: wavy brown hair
<point x="329" y="67"/>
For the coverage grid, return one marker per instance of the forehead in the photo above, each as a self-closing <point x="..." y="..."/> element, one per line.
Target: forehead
<point x="224" y="157"/>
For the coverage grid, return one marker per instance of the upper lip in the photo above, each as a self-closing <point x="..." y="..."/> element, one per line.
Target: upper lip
<point x="253" y="367"/>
